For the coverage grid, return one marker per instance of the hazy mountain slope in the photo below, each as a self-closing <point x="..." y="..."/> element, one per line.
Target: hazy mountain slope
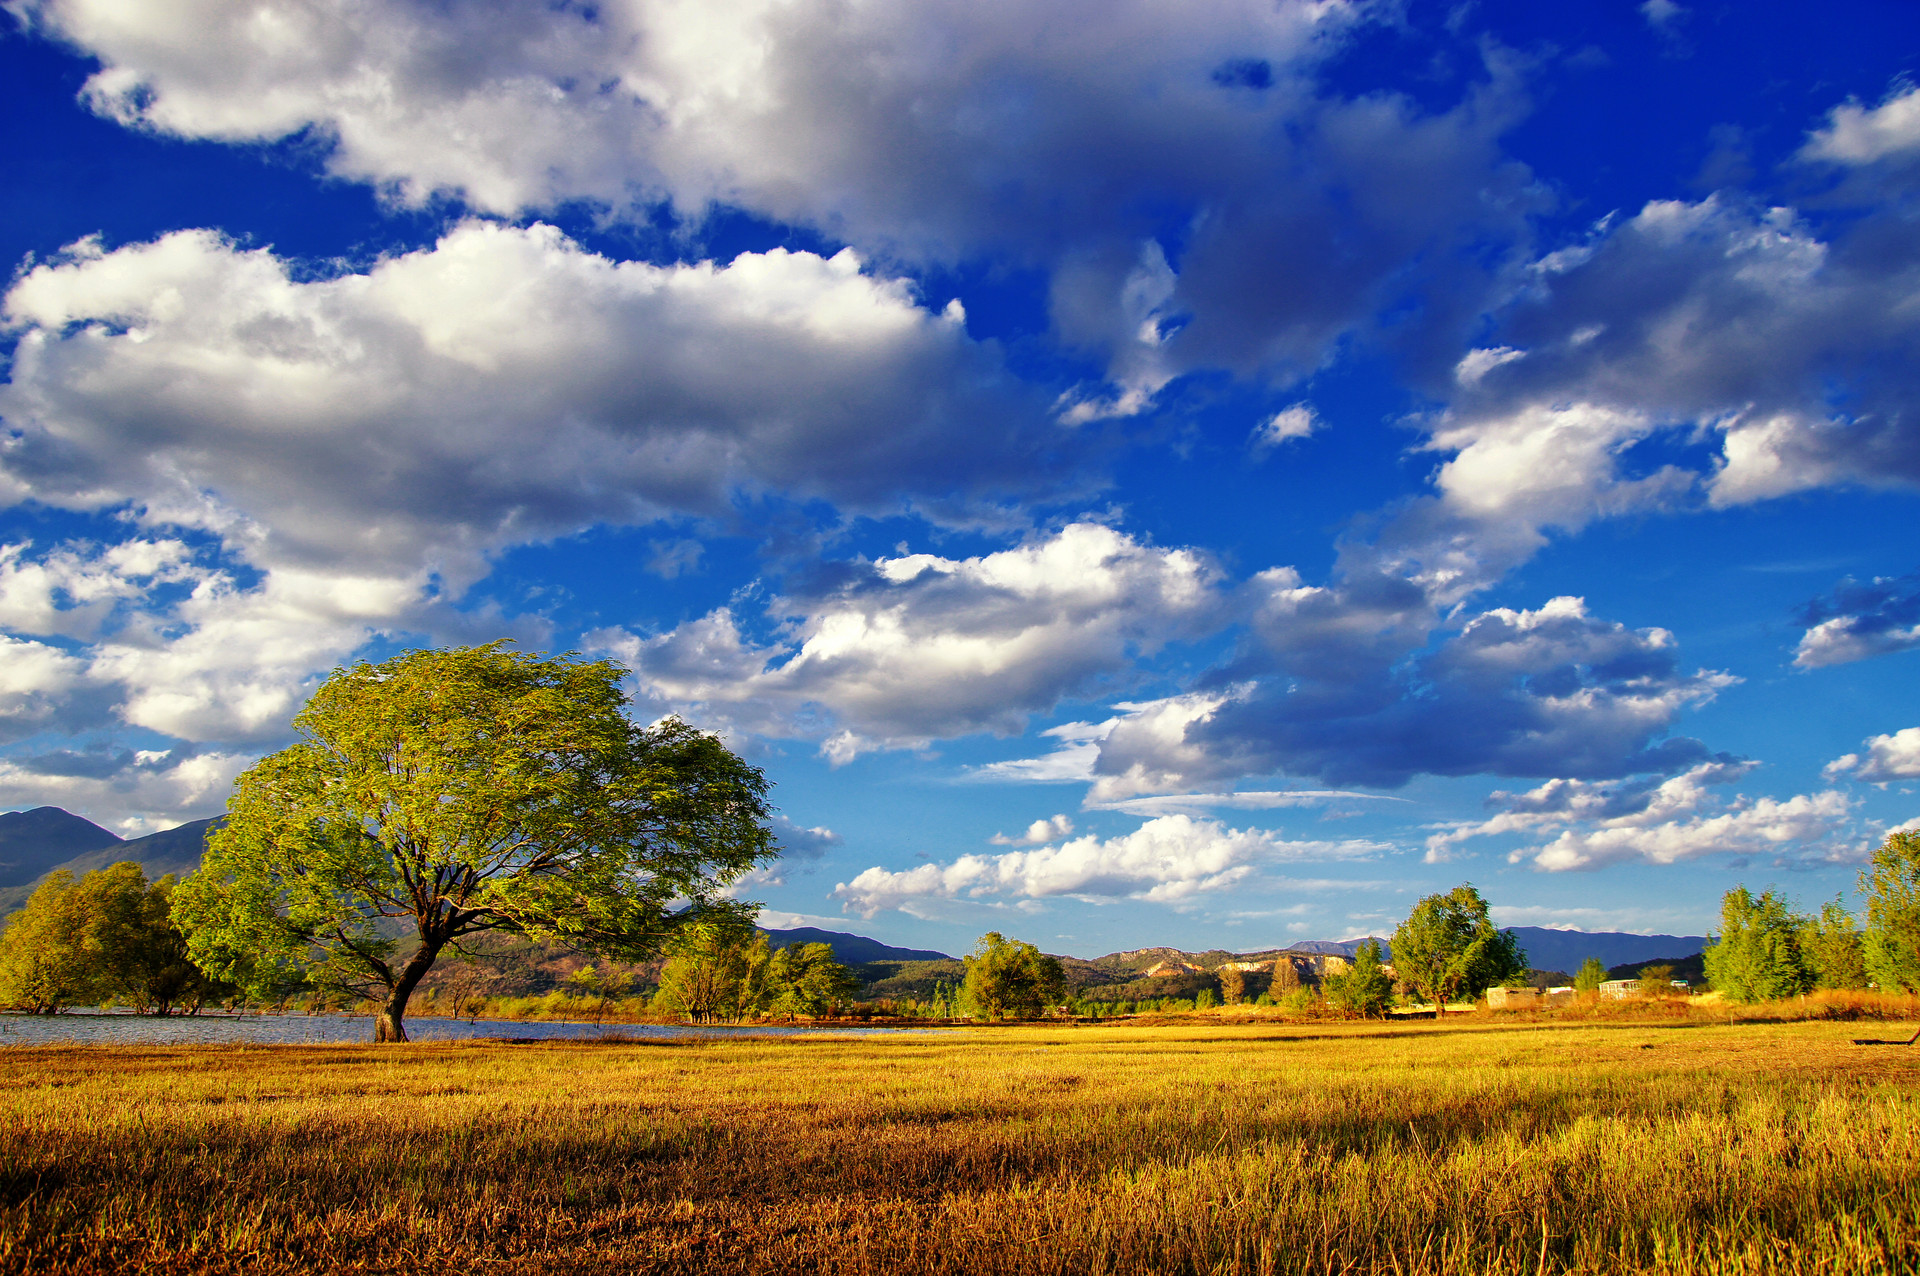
<point x="851" y="950"/>
<point x="34" y="843"/>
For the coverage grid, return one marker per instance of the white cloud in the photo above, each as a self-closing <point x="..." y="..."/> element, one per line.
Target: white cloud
<point x="1861" y="135"/>
<point x="71" y="590"/>
<point x="935" y="128"/>
<point x="1296" y="422"/>
<point x="922" y="647"/>
<point x="1888" y="757"/>
<point x="499" y="387"/>
<point x="1859" y="621"/>
<point x="1165" y="860"/>
<point x="1763" y="825"/>
<point x="136" y="794"/>
<point x="1038" y="833"/>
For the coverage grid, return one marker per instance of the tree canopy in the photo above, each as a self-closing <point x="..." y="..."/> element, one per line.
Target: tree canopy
<point x="1449" y="948"/>
<point x="1892" y="887"/>
<point x="1011" y="979"/>
<point x="1365" y="986"/>
<point x="1758" y="954"/>
<point x="106" y="936"/>
<point x="445" y="794"/>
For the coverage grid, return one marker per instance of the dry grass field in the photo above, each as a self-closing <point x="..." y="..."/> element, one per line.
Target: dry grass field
<point x="1457" y="1147"/>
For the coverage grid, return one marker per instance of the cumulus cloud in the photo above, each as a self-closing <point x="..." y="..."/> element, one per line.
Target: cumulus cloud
<point x="71" y="590"/>
<point x="1038" y="833"/>
<point x="937" y="128"/>
<point x="1858" y="621"/>
<point x="1657" y="821"/>
<point x="1714" y="322"/>
<point x="1165" y="860"/>
<point x="502" y="386"/>
<point x="1553" y="691"/>
<point x="1855" y="134"/>
<point x="1888" y="757"/>
<point x="921" y="647"/>
<point x="1296" y="422"/>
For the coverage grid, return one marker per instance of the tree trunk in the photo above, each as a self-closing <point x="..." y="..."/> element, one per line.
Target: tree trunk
<point x="390" y="1024"/>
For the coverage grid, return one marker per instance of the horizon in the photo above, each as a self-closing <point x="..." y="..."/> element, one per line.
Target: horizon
<point x="1190" y="473"/>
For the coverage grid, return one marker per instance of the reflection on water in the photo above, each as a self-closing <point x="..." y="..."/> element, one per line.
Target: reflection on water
<point x="109" y="1029"/>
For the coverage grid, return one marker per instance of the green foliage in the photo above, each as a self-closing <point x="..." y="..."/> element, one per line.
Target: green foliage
<point x="1204" y="1000"/>
<point x="1010" y="979"/>
<point x="1590" y="976"/>
<point x="1833" y="947"/>
<point x="1892" y="887"/>
<point x="1656" y="981"/>
<point x="1448" y="948"/>
<point x="108" y="935"/>
<point x="46" y="964"/>
<point x="714" y="972"/>
<point x="1364" y="987"/>
<point x="447" y="794"/>
<point x="804" y="979"/>
<point x="1758" y="955"/>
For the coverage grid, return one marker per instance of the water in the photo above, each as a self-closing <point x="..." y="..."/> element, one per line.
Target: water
<point x="111" y="1029"/>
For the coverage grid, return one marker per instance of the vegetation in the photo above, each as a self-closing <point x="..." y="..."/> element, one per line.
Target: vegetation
<point x="1361" y="1149"/>
<point x="1448" y="948"/>
<point x="107" y="936"/>
<point x="444" y="795"/>
<point x="728" y="973"/>
<point x="1758" y="955"/>
<point x="1010" y="979"/>
<point x="1891" y="945"/>
<point x="1590" y="976"/>
<point x="1364" y="987"/>
<point x="1834" y="949"/>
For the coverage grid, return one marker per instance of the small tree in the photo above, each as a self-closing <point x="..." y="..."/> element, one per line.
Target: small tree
<point x="1364" y="987"/>
<point x="47" y="963"/>
<point x="1007" y="978"/>
<point x="1833" y="946"/>
<point x="1286" y="977"/>
<point x="1757" y="956"/>
<point x="1656" y="981"/>
<point x="714" y="972"/>
<point x="806" y="979"/>
<point x="446" y="794"/>
<point x="1448" y="948"/>
<point x="1891" y="946"/>
<point x="1590" y="976"/>
<point x="1233" y="984"/>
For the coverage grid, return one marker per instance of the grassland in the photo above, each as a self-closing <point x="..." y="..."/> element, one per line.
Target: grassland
<point x="1455" y="1147"/>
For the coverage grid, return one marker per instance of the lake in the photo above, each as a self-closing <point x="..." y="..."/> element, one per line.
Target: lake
<point x="121" y="1029"/>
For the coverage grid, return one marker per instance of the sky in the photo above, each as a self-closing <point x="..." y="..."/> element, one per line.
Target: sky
<point x="1130" y="473"/>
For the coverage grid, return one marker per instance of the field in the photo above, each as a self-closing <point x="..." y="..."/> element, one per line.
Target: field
<point x="1464" y="1146"/>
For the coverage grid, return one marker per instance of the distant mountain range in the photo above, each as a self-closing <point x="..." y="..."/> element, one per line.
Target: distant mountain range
<point x="37" y="842"/>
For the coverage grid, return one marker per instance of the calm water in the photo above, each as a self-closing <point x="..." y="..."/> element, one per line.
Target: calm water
<point x="128" y="1030"/>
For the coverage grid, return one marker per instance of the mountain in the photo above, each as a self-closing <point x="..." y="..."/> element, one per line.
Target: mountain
<point x="851" y="950"/>
<point x="45" y="839"/>
<point x="1564" y="950"/>
<point x="34" y="843"/>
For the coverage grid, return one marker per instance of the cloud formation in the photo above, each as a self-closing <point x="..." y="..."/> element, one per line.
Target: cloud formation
<point x="1074" y="138"/>
<point x="1888" y="758"/>
<point x="499" y="387"/>
<point x="1165" y="860"/>
<point x="1859" y="621"/>
<point x="920" y="647"/>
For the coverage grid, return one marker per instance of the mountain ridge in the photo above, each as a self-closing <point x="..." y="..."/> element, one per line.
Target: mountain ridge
<point x="30" y="838"/>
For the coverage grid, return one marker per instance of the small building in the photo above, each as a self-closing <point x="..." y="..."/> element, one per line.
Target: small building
<point x="1620" y="988"/>
<point x="1513" y="998"/>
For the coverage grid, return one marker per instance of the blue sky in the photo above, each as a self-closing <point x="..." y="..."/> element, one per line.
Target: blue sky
<point x="1131" y="473"/>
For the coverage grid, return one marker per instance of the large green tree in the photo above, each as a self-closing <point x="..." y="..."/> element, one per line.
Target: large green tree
<point x="1448" y="947"/>
<point x="107" y="935"/>
<point x="1011" y="979"/>
<point x="1834" y="949"/>
<point x="1892" y="887"/>
<point x="1758" y="954"/>
<point x="446" y="794"/>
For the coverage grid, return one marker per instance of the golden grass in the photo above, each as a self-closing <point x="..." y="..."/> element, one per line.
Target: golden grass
<point x="1205" y="1147"/>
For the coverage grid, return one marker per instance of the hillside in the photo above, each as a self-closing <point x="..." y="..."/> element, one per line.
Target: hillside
<point x="35" y="843"/>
